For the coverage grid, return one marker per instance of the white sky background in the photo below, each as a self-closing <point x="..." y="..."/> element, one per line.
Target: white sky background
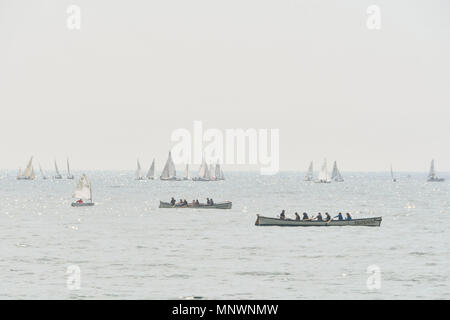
<point x="137" y="70"/>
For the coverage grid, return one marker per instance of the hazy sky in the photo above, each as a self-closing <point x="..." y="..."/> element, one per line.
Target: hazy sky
<point x="137" y="70"/>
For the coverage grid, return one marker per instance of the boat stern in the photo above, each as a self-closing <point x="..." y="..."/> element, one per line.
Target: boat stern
<point x="257" y="220"/>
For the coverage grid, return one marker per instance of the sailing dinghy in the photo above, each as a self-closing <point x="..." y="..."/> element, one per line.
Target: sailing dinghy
<point x="392" y="175"/>
<point x="218" y="174"/>
<point x="83" y="192"/>
<point x="42" y="173"/>
<point x="69" y="175"/>
<point x="57" y="175"/>
<point x="309" y="174"/>
<point x="266" y="221"/>
<point x="28" y="173"/>
<point x="169" y="172"/>
<point x="323" y="174"/>
<point x="151" y="171"/>
<point x="432" y="177"/>
<point x="336" y="175"/>
<point x="139" y="175"/>
<point x="204" y="173"/>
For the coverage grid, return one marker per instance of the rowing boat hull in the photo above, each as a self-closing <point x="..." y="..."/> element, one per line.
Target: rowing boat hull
<point x="367" y="222"/>
<point x="219" y="205"/>
<point x="84" y="204"/>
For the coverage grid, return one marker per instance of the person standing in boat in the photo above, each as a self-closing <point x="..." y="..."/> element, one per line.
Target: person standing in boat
<point x="348" y="216"/>
<point x="282" y="215"/>
<point x="328" y="217"/>
<point x="319" y="217"/>
<point x="297" y="217"/>
<point x="305" y="216"/>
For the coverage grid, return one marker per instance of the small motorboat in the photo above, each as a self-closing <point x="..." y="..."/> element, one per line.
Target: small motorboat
<point x="218" y="205"/>
<point x="266" y="221"/>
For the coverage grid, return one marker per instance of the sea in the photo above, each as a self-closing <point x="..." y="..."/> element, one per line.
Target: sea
<point x="125" y="247"/>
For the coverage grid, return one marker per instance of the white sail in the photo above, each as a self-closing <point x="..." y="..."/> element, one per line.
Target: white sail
<point x="83" y="189"/>
<point x="323" y="173"/>
<point x="212" y="173"/>
<point x="336" y="175"/>
<point x="69" y="175"/>
<point x="42" y="172"/>
<point x="310" y="174"/>
<point x="218" y="173"/>
<point x="28" y="173"/>
<point x="204" y="172"/>
<point x="392" y="175"/>
<point x="138" y="171"/>
<point x="186" y="172"/>
<point x="169" y="172"/>
<point x="151" y="171"/>
<point x="432" y="174"/>
<point x="58" y="175"/>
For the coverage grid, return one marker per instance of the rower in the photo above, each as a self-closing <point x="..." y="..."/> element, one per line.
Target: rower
<point x="207" y="201"/>
<point x="80" y="201"/>
<point x="305" y="216"/>
<point x="282" y="215"/>
<point x="297" y="217"/>
<point x="319" y="217"/>
<point x="211" y="202"/>
<point x="328" y="217"/>
<point x="172" y="201"/>
<point x="339" y="216"/>
<point x="348" y="216"/>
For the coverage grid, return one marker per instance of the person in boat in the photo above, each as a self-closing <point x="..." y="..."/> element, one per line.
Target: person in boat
<point x="185" y="202"/>
<point x="80" y="201"/>
<point x="339" y="216"/>
<point x="297" y="217"/>
<point x="328" y="217"/>
<point x="282" y="215"/>
<point x="208" y="202"/>
<point x="319" y="217"/>
<point x="197" y="203"/>
<point x="305" y="216"/>
<point x="211" y="202"/>
<point x="348" y="216"/>
<point x="172" y="201"/>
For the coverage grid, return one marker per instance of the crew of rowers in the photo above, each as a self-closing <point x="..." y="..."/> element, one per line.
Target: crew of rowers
<point x="318" y="217"/>
<point x="194" y="203"/>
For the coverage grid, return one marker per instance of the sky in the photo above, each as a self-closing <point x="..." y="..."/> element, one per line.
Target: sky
<point x="114" y="90"/>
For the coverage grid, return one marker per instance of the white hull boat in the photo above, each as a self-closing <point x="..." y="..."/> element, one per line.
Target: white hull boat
<point x="83" y="191"/>
<point x="432" y="177"/>
<point x="219" y="205"/>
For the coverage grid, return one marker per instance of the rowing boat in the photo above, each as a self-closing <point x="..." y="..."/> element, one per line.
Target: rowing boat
<point x="219" y="205"/>
<point x="266" y="221"/>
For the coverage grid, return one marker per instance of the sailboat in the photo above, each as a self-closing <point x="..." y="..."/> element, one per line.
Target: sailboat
<point x="432" y="174"/>
<point x="323" y="174"/>
<point x="204" y="174"/>
<point x="169" y="172"/>
<point x="336" y="175"/>
<point x="309" y="175"/>
<point x="139" y="175"/>
<point x="83" y="191"/>
<point x="57" y="175"/>
<point x="392" y="175"/>
<point x="28" y="173"/>
<point x="218" y="174"/>
<point x="151" y="171"/>
<point x="42" y="172"/>
<point x="69" y="175"/>
<point x="186" y="173"/>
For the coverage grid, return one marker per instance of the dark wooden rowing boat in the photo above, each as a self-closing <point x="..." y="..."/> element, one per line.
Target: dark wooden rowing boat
<point x="367" y="222"/>
<point x="218" y="205"/>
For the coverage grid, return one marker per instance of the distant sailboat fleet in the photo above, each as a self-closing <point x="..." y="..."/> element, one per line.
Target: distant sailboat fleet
<point x="323" y="176"/>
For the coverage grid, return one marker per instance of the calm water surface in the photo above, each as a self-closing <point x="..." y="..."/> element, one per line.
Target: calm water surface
<point x="127" y="248"/>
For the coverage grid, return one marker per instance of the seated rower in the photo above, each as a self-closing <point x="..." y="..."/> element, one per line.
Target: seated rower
<point x="305" y="216"/>
<point x="282" y="215"/>
<point x="172" y="201"/>
<point x="319" y="217"/>
<point x="197" y="202"/>
<point x="208" y="202"/>
<point x="348" y="216"/>
<point x="80" y="201"/>
<point x="297" y="217"/>
<point x="211" y="202"/>
<point x="185" y="202"/>
<point x="328" y="217"/>
<point x="339" y="216"/>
